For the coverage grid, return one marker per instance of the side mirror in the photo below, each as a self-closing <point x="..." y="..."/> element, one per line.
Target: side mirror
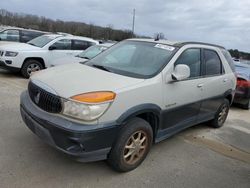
<point x="52" y="48"/>
<point x="181" y="72"/>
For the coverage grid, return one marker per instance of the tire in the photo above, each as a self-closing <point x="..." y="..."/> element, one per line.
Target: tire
<point x="30" y="66"/>
<point x="132" y="146"/>
<point x="221" y="115"/>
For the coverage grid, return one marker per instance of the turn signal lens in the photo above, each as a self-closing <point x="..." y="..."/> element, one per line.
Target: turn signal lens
<point x="95" y="97"/>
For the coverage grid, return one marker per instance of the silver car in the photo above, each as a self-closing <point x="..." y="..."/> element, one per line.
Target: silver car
<point x="134" y="94"/>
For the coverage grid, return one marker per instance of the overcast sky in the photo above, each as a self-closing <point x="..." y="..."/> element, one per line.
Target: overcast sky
<point x="224" y="22"/>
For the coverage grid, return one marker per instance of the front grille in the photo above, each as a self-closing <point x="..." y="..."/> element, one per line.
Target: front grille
<point x="43" y="99"/>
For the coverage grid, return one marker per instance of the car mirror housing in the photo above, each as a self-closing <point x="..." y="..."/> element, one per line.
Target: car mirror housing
<point x="52" y="48"/>
<point x="181" y="72"/>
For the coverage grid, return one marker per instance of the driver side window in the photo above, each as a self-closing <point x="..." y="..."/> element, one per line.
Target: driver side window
<point x="192" y="58"/>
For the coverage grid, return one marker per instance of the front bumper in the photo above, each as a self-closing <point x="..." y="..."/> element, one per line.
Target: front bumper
<point x="3" y="65"/>
<point x="82" y="142"/>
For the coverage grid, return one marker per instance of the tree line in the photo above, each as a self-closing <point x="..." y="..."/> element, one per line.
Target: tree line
<point x="239" y="55"/>
<point x="75" y="28"/>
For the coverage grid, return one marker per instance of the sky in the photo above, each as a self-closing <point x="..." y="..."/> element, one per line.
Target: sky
<point x="223" y="22"/>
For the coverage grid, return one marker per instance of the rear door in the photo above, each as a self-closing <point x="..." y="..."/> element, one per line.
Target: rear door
<point x="214" y="83"/>
<point x="80" y="45"/>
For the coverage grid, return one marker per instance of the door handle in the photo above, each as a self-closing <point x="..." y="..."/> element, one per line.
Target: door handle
<point x="225" y="80"/>
<point x="200" y="85"/>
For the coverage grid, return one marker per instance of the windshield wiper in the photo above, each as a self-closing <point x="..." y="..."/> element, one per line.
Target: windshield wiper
<point x="32" y="44"/>
<point x="101" y="67"/>
<point x="83" y="57"/>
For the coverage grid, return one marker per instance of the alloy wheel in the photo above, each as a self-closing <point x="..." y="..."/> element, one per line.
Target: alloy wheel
<point x="135" y="147"/>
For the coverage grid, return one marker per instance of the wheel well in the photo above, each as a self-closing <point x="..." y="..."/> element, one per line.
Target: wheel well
<point x="229" y="98"/>
<point x="152" y="119"/>
<point x="36" y="58"/>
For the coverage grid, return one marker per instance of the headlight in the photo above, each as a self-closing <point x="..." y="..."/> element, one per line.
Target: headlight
<point x="88" y="106"/>
<point x="11" y="54"/>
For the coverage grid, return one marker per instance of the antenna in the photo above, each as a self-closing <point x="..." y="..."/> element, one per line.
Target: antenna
<point x="133" y="26"/>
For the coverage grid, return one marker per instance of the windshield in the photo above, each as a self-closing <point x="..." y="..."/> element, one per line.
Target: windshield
<point x="92" y="52"/>
<point x="134" y="58"/>
<point x="42" y="40"/>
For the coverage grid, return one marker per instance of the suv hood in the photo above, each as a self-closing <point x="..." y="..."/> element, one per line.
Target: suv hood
<point x="18" y="47"/>
<point x="73" y="79"/>
<point x="67" y="60"/>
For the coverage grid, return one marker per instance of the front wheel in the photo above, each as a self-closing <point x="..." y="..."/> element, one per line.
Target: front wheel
<point x="30" y="66"/>
<point x="132" y="145"/>
<point x="221" y="115"/>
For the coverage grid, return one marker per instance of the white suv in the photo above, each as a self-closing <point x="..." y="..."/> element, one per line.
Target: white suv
<point x="137" y="92"/>
<point x="38" y="53"/>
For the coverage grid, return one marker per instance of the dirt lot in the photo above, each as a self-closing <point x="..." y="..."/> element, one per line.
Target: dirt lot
<point x="197" y="157"/>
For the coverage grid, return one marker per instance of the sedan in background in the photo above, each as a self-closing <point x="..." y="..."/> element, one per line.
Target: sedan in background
<point x="242" y="95"/>
<point x="89" y="53"/>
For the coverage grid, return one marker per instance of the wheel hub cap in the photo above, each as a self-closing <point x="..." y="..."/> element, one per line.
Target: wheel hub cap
<point x="135" y="147"/>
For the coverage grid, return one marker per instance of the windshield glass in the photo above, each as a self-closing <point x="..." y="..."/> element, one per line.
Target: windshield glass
<point x="134" y="58"/>
<point x="92" y="52"/>
<point x="42" y="40"/>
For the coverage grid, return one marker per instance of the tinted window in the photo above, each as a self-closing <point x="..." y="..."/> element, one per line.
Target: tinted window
<point x="10" y="35"/>
<point x="63" y="44"/>
<point x="212" y="63"/>
<point x="191" y="58"/>
<point x="29" y="35"/>
<point x="229" y="59"/>
<point x="81" y="44"/>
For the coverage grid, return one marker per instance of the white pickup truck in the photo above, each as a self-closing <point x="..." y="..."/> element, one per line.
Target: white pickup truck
<point x="38" y="53"/>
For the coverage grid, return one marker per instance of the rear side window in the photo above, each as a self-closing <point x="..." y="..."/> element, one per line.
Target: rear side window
<point x="81" y="44"/>
<point x="212" y="62"/>
<point x="229" y="59"/>
<point x="63" y="44"/>
<point x="192" y="58"/>
<point x="10" y="35"/>
<point x="29" y="35"/>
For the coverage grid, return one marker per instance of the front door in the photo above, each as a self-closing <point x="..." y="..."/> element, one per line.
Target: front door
<point x="182" y="98"/>
<point x="59" y="50"/>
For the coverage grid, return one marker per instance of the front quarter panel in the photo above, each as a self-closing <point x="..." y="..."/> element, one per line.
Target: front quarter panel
<point x="147" y="92"/>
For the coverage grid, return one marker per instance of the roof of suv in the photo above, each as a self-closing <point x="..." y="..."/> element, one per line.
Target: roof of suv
<point x="72" y="37"/>
<point x="175" y="43"/>
<point x="2" y="27"/>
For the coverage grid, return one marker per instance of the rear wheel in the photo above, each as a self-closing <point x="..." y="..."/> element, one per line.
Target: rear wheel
<point x="30" y="66"/>
<point x="221" y="115"/>
<point x="132" y="146"/>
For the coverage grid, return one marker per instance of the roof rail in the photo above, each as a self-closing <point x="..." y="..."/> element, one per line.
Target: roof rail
<point x="202" y="43"/>
<point x="64" y="34"/>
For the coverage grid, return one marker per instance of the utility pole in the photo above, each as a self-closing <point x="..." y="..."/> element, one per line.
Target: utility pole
<point x="133" y="26"/>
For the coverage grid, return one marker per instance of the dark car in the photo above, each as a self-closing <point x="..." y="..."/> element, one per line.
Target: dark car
<point x="14" y="34"/>
<point x="242" y="95"/>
